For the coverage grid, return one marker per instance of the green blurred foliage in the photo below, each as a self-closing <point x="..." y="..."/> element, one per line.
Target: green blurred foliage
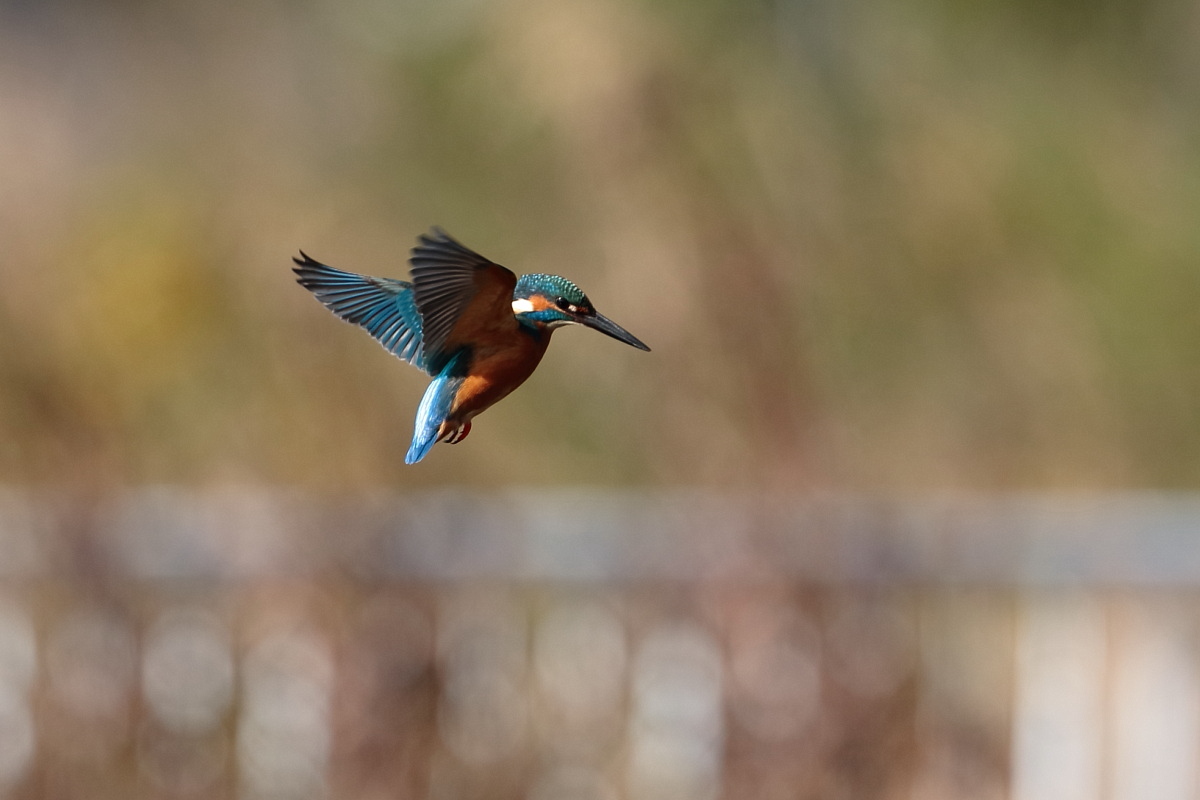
<point x="892" y="243"/>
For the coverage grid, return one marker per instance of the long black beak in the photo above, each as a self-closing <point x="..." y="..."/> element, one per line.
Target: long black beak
<point x="607" y="326"/>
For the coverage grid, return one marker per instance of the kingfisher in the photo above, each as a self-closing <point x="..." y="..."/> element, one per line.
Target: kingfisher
<point x="467" y="321"/>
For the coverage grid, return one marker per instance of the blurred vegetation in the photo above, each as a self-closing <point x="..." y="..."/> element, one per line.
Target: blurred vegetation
<point x="892" y="243"/>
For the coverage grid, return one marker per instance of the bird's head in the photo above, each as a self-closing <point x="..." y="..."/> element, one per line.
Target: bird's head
<point x="545" y="302"/>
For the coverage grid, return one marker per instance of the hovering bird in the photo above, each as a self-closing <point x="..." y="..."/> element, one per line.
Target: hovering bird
<point x="467" y="321"/>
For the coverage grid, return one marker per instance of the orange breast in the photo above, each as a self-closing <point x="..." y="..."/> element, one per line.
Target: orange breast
<point x="497" y="367"/>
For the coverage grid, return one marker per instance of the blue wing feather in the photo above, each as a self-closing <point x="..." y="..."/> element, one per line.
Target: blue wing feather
<point x="384" y="307"/>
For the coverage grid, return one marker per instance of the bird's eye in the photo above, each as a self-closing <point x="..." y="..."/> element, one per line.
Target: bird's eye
<point x="562" y="303"/>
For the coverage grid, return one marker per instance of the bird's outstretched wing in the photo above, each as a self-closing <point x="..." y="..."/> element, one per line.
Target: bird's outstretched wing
<point x="384" y="307"/>
<point x="461" y="295"/>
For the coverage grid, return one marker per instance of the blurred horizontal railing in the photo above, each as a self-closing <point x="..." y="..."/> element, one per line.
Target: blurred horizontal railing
<point x="547" y="644"/>
<point x="1138" y="539"/>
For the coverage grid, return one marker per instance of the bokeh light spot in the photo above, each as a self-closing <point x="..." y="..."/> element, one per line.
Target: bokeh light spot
<point x="284" y="730"/>
<point x="187" y="670"/>
<point x="677" y="722"/>
<point x="580" y="659"/>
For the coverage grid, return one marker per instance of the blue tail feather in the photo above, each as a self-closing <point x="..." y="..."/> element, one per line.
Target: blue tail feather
<point x="434" y="408"/>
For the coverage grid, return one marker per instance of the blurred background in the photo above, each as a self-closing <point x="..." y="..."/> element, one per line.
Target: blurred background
<point x="899" y="506"/>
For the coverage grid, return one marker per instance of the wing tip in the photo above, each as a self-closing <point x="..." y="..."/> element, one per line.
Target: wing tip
<point x="437" y="234"/>
<point x="307" y="269"/>
<point x="305" y="260"/>
<point x="436" y="246"/>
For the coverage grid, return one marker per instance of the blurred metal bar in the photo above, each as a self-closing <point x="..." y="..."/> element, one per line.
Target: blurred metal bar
<point x="1132" y="539"/>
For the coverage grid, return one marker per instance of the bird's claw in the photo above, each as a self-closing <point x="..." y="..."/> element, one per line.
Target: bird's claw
<point x="457" y="434"/>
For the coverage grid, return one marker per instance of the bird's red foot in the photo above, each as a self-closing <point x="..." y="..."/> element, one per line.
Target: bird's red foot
<point x="453" y="432"/>
<point x="460" y="434"/>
